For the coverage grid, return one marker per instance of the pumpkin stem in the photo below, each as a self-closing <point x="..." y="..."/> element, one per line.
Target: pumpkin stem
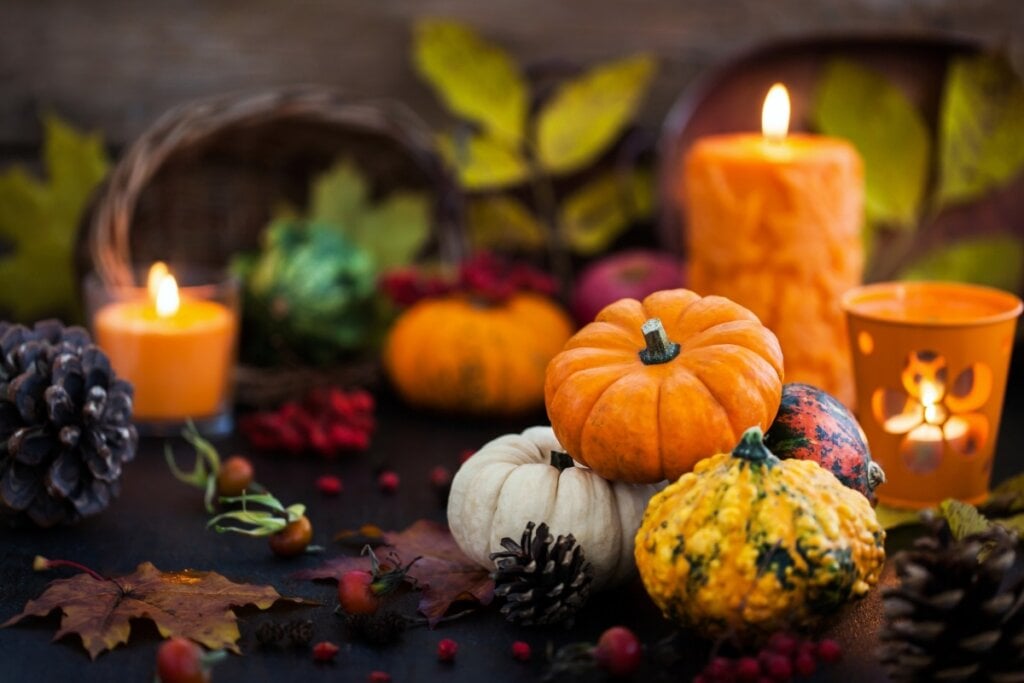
<point x="561" y="461"/>
<point x="876" y="475"/>
<point x="660" y="349"/>
<point x="751" y="447"/>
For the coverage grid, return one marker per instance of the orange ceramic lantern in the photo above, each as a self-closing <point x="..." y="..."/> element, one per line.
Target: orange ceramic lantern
<point x="931" y="360"/>
<point x="773" y="223"/>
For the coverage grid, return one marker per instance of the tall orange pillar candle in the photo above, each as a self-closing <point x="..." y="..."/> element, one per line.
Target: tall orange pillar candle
<point x="774" y="223"/>
<point x="177" y="352"/>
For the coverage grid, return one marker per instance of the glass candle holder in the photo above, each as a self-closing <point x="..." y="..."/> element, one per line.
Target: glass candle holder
<point x="930" y="362"/>
<point x="176" y="345"/>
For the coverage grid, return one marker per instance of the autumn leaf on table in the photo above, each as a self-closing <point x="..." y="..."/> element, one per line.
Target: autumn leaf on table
<point x="192" y="604"/>
<point x="443" y="572"/>
<point x="39" y="220"/>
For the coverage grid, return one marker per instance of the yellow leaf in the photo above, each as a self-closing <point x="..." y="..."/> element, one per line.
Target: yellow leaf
<point x="587" y="114"/>
<point x="597" y="213"/>
<point x="476" y="79"/>
<point x="505" y="224"/>
<point x="483" y="163"/>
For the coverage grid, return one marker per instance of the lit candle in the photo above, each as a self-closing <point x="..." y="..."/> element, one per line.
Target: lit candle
<point x="176" y="348"/>
<point x="773" y="223"/>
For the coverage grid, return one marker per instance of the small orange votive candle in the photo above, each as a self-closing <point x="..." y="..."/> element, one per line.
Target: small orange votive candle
<point x="930" y="361"/>
<point x="176" y="347"/>
<point x="774" y="223"/>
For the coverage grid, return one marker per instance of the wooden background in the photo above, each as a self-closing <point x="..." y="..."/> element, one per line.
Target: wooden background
<point x="114" y="65"/>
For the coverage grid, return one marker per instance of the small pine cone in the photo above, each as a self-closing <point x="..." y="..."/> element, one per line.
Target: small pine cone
<point x="299" y="632"/>
<point x="381" y="628"/>
<point x="544" y="580"/>
<point x="958" y="611"/>
<point x="270" y="634"/>
<point x="65" y="425"/>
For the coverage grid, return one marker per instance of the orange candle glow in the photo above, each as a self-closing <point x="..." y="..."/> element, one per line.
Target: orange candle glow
<point x="176" y="349"/>
<point x="773" y="223"/>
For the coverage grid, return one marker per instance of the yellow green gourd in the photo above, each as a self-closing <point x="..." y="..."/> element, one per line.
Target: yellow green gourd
<point x="747" y="544"/>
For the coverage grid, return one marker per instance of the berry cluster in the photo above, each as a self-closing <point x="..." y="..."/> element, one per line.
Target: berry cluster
<point x="484" y="276"/>
<point x="327" y="421"/>
<point x="784" y="657"/>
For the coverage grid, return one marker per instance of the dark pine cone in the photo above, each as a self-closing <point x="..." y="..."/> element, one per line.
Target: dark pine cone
<point x="958" y="611"/>
<point x="544" y="580"/>
<point x="65" y="425"/>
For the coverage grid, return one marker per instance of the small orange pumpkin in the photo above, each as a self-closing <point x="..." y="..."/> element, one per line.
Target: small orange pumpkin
<point x="648" y="389"/>
<point x="457" y="353"/>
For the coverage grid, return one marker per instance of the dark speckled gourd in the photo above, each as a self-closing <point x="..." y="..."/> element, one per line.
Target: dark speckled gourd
<point x="747" y="544"/>
<point x="813" y="425"/>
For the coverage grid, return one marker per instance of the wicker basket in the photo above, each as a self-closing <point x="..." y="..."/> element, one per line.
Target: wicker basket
<point x="201" y="183"/>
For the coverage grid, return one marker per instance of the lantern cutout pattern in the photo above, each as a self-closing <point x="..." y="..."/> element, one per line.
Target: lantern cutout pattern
<point x="932" y="413"/>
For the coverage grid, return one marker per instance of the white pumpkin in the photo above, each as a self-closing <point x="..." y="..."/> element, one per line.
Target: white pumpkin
<point x="511" y="481"/>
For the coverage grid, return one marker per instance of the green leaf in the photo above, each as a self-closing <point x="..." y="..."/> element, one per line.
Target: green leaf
<point x="964" y="520"/>
<point x="483" y="163"/>
<point x="981" y="126"/>
<point x="889" y="132"/>
<point x="395" y="230"/>
<point x="587" y="114"/>
<point x="338" y="196"/>
<point x="891" y="517"/>
<point x="597" y="213"/>
<point x="476" y="79"/>
<point x="503" y="223"/>
<point x="40" y="220"/>
<point x="997" y="261"/>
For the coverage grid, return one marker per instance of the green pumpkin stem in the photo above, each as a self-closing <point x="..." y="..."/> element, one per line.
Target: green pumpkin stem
<point x="562" y="461"/>
<point x="660" y="349"/>
<point x="751" y="447"/>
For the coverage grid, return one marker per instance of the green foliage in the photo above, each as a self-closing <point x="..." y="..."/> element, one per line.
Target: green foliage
<point x="981" y="128"/>
<point x="39" y="219"/>
<point x="963" y="518"/>
<point x="891" y="135"/>
<point x="890" y="517"/>
<point x="502" y="149"/>
<point x="310" y="293"/>
<point x="997" y="261"/>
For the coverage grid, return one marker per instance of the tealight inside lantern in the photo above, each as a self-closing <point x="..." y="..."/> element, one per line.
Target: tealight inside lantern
<point x="930" y="361"/>
<point x="176" y="345"/>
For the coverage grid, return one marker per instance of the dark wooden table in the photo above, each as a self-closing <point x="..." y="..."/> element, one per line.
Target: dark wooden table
<point x="162" y="521"/>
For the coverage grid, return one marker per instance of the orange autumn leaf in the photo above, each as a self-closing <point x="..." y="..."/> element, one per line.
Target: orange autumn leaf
<point x="192" y="604"/>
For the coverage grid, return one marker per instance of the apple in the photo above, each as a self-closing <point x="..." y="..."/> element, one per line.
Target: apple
<point x="634" y="273"/>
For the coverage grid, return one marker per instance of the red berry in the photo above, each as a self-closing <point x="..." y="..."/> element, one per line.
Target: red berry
<point x="778" y="667"/>
<point x="783" y="643"/>
<point x="293" y="539"/>
<point x="521" y="651"/>
<point x="179" y="660"/>
<point x="324" y="651"/>
<point x="719" y="669"/>
<point x="235" y="476"/>
<point x="804" y="664"/>
<point x="618" y="651"/>
<point x="748" y="669"/>
<point x="329" y="485"/>
<point x="355" y="592"/>
<point x="829" y="651"/>
<point x="379" y="677"/>
<point x="440" y="477"/>
<point x="388" y="481"/>
<point x="446" y="650"/>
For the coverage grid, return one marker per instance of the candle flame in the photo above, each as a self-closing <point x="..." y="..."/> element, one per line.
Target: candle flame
<point x="157" y="272"/>
<point x="775" y="113"/>
<point x="167" y="300"/>
<point x="930" y="394"/>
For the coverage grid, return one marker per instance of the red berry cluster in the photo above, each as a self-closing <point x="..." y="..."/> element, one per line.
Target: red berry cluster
<point x="327" y="421"/>
<point x="483" y="276"/>
<point x="785" y="656"/>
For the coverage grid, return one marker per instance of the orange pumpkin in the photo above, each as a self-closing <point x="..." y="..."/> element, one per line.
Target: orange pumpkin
<point x="456" y="353"/>
<point x="648" y="389"/>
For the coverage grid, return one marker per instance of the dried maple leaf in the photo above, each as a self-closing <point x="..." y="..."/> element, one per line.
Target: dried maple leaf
<point x="193" y="604"/>
<point x="443" y="572"/>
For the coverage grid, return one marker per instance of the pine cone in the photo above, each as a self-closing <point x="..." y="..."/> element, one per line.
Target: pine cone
<point x="544" y="580"/>
<point x="65" y="425"/>
<point x="958" y="611"/>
